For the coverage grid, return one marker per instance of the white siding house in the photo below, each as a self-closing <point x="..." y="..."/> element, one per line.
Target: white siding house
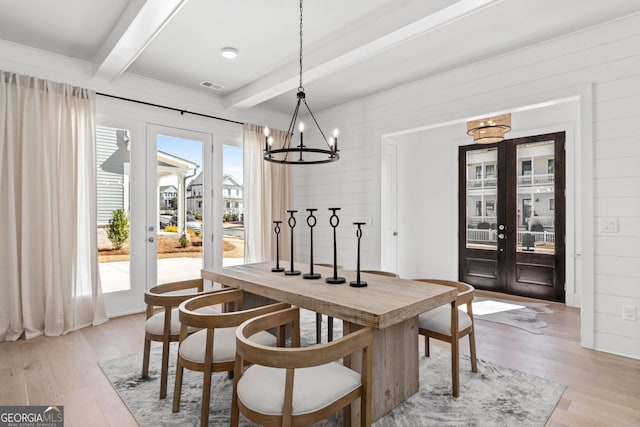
<point x="112" y="172"/>
<point x="194" y="194"/>
<point x="168" y="196"/>
<point x="233" y="198"/>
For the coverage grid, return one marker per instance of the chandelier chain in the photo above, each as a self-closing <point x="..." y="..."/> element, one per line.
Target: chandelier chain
<point x="300" y="88"/>
<point x="301" y="154"/>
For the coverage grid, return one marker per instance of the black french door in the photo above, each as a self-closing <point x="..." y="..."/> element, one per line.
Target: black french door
<point x="512" y="216"/>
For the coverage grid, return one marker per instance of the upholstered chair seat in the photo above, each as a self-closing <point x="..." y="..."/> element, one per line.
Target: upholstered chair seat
<point x="193" y="348"/>
<point x="440" y="322"/>
<point x="261" y="388"/>
<point x="155" y="324"/>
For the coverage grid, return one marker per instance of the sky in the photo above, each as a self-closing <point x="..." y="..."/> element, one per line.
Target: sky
<point x="192" y="151"/>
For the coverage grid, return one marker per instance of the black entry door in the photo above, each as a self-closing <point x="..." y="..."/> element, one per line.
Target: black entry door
<point x="512" y="216"/>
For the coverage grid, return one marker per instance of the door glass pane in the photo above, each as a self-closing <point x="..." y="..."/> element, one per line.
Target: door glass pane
<point x="535" y="192"/>
<point x="113" y="160"/>
<point x="482" y="194"/>
<point x="180" y="213"/>
<point x="233" y="205"/>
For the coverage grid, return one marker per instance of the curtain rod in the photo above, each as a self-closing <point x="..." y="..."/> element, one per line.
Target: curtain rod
<point x="169" y="108"/>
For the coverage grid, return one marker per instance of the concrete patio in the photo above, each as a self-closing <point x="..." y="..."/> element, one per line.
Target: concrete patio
<point x="114" y="276"/>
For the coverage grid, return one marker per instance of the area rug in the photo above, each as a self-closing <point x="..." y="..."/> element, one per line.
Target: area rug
<point x="524" y="317"/>
<point x="495" y="396"/>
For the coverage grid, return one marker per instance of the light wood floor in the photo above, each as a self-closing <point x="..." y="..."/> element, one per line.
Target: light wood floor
<point x="603" y="389"/>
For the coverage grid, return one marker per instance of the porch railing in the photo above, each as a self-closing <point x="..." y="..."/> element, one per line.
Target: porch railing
<point x="485" y="236"/>
<point x="542" y="179"/>
<point x="482" y="182"/>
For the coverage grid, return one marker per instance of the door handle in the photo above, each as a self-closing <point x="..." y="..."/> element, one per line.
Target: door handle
<point x="501" y="236"/>
<point x="151" y="239"/>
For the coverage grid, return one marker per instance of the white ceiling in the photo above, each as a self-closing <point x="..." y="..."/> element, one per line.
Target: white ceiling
<point x="351" y="48"/>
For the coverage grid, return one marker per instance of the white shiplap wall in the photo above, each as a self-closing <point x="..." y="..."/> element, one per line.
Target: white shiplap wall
<point x="606" y="58"/>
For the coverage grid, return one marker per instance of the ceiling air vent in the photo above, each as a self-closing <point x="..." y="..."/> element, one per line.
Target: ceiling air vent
<point x="214" y="86"/>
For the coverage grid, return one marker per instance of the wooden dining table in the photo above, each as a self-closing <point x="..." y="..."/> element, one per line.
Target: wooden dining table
<point x="389" y="305"/>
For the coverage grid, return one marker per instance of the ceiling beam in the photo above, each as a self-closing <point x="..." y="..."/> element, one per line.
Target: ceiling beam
<point x="286" y="78"/>
<point x="140" y="22"/>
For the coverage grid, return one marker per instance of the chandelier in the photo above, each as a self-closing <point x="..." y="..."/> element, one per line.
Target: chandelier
<point x="490" y="129"/>
<point x="300" y="153"/>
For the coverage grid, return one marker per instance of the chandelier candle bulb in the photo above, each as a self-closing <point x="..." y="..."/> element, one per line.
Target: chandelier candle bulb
<point x="266" y="138"/>
<point x="301" y="127"/>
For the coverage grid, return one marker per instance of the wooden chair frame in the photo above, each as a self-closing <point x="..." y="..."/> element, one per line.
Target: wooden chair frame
<point x="164" y="298"/>
<point x="190" y="318"/>
<point x="296" y="357"/>
<point x="465" y="296"/>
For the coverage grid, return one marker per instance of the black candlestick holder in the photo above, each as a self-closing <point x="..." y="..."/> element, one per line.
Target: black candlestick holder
<point x="334" y="221"/>
<point x="277" y="268"/>
<point x="358" y="283"/>
<point x="311" y="222"/>
<point x="292" y="224"/>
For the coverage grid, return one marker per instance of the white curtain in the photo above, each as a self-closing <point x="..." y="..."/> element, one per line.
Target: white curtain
<point x="48" y="269"/>
<point x="267" y="189"/>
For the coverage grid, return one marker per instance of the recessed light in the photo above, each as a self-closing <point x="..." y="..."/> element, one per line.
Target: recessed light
<point x="229" y="52"/>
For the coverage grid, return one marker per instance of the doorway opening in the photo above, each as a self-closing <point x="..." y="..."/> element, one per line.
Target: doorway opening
<point x="425" y="183"/>
<point x="180" y="209"/>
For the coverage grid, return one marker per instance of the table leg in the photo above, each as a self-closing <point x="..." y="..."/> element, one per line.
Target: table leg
<point x="395" y="366"/>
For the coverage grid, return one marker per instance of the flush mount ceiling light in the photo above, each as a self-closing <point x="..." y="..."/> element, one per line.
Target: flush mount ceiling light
<point x="301" y="153"/>
<point x="229" y="52"/>
<point x="490" y="129"/>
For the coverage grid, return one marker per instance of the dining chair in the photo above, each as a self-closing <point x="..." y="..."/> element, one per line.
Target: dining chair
<point x="448" y="323"/>
<point x="297" y="386"/>
<point x="213" y="347"/>
<point x="162" y="324"/>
